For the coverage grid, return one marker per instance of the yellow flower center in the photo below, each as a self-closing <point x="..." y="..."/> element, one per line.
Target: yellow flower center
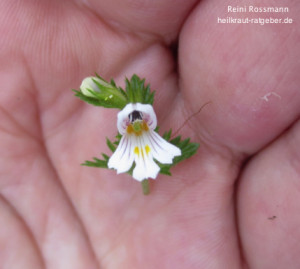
<point x="137" y="127"/>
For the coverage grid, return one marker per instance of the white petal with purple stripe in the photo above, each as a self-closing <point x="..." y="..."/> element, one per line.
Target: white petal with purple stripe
<point x="140" y="143"/>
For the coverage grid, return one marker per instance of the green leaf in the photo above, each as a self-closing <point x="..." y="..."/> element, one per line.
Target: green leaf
<point x="188" y="149"/>
<point x="89" y="100"/>
<point x="112" y="82"/>
<point x="111" y="145"/>
<point x="137" y="92"/>
<point x="105" y="157"/>
<point x="167" y="135"/>
<point x="97" y="163"/>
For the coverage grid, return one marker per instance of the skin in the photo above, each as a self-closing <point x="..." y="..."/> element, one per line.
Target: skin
<point x="235" y="204"/>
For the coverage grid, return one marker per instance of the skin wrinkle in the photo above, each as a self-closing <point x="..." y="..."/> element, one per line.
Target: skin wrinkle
<point x="156" y="211"/>
<point x="118" y="238"/>
<point x="118" y="241"/>
<point x="293" y="149"/>
<point x="121" y="28"/>
<point x="285" y="141"/>
<point x="173" y="198"/>
<point x="243" y="260"/>
<point x="15" y="123"/>
<point x="74" y="209"/>
<point x="17" y="104"/>
<point x="26" y="227"/>
<point x="123" y="36"/>
<point x="151" y="40"/>
<point x="164" y="116"/>
<point x="72" y="116"/>
<point x="81" y="227"/>
<point x="44" y="148"/>
<point x="33" y="93"/>
<point x="130" y="59"/>
<point x="206" y="140"/>
<point x="42" y="241"/>
<point x="72" y="205"/>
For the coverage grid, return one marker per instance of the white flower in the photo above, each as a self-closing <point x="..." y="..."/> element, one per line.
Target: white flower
<point x="140" y="143"/>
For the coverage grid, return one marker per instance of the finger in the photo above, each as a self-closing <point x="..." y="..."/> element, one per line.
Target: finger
<point x="163" y="18"/>
<point x="249" y="72"/>
<point x="268" y="205"/>
<point x="81" y="45"/>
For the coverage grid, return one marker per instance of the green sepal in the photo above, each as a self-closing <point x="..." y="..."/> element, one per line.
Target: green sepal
<point x="111" y="97"/>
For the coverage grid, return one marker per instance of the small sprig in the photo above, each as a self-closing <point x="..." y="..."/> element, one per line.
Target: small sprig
<point x="137" y="149"/>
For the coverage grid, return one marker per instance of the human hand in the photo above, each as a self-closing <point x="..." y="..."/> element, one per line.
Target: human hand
<point x="233" y="205"/>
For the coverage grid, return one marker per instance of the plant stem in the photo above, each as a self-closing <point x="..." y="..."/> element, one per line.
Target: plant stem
<point x="145" y="186"/>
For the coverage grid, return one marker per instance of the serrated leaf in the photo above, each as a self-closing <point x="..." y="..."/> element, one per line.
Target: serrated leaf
<point x="137" y="92"/>
<point x="96" y="163"/>
<point x="105" y="157"/>
<point x="187" y="148"/>
<point x="165" y="170"/>
<point x="167" y="135"/>
<point x="176" y="140"/>
<point x="86" y="99"/>
<point x="184" y="142"/>
<point x="113" y="83"/>
<point x="110" y="144"/>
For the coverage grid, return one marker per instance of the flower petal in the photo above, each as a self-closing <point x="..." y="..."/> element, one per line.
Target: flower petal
<point x="145" y="167"/>
<point x="122" y="159"/>
<point x="163" y="151"/>
<point x="147" y="111"/>
<point x="123" y="119"/>
<point x="148" y="114"/>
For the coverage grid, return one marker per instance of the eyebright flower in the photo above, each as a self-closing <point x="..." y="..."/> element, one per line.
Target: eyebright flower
<point x="140" y="143"/>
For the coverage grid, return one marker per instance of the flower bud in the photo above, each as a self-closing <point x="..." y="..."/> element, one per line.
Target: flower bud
<point x="90" y="84"/>
<point x="102" y="93"/>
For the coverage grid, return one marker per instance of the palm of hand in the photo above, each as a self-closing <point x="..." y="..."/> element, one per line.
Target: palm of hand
<point x="57" y="213"/>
